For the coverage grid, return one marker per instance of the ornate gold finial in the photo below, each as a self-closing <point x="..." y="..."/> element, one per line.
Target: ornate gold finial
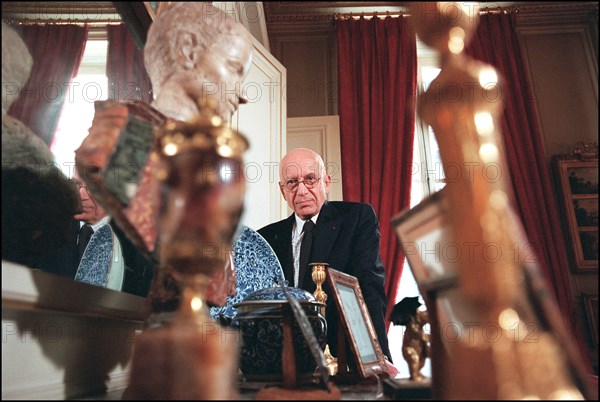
<point x="203" y="132"/>
<point x="319" y="274"/>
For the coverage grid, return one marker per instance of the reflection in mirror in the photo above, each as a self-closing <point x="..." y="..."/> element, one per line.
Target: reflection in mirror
<point x="199" y="70"/>
<point x="43" y="205"/>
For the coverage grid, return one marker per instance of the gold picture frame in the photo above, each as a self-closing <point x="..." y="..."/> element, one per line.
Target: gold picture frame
<point x="423" y="231"/>
<point x="578" y="185"/>
<point x="357" y="327"/>
<point x="590" y="303"/>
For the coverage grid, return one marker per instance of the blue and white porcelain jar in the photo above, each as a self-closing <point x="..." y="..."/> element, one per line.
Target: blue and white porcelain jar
<point x="260" y="320"/>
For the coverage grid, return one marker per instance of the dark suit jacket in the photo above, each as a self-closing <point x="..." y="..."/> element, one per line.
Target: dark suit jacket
<point x="346" y="237"/>
<point x="139" y="267"/>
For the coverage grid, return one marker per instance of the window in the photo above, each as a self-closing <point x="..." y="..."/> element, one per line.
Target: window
<point x="90" y="85"/>
<point x="428" y="178"/>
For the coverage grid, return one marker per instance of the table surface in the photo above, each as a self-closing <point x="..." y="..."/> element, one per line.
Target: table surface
<point x="370" y="389"/>
<point x="248" y="392"/>
<point x="359" y="391"/>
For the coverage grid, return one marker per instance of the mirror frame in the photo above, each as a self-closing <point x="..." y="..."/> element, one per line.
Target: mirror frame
<point x="137" y="17"/>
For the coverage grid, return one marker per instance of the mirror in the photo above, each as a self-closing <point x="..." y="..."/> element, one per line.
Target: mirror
<point x="262" y="120"/>
<point x="78" y="107"/>
<point x="267" y="134"/>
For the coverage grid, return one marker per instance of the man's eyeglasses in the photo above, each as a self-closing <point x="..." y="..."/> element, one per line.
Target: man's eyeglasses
<point x="309" y="182"/>
<point x="79" y="185"/>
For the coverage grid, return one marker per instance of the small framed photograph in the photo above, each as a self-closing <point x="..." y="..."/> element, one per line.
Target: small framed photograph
<point x="578" y="185"/>
<point x="356" y="323"/>
<point x="423" y="232"/>
<point x="590" y="303"/>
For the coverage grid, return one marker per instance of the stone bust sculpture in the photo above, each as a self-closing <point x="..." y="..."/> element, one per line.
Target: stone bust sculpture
<point x="193" y="51"/>
<point x="39" y="201"/>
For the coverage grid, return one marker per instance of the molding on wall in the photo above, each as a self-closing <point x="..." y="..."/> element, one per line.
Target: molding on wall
<point x="285" y="13"/>
<point x="322" y="135"/>
<point x="581" y="73"/>
<point x="316" y="93"/>
<point x="59" y="11"/>
<point x="558" y="14"/>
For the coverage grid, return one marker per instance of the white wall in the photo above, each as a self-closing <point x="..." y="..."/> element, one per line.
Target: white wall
<point x="262" y="121"/>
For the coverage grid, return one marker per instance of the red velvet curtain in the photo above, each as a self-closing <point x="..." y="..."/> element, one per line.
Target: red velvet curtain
<point x="57" y="51"/>
<point x="377" y="61"/>
<point x="127" y="77"/>
<point x="495" y="43"/>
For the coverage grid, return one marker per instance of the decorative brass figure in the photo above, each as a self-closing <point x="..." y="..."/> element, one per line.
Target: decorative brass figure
<point x="319" y="274"/>
<point x="415" y="344"/>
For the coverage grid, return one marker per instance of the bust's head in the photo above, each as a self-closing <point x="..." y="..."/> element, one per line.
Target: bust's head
<point x="194" y="51"/>
<point x="16" y="66"/>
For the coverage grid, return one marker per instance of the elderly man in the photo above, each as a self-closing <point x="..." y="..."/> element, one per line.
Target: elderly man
<point x="343" y="234"/>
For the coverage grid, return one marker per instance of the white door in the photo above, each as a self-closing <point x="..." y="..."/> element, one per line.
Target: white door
<point x="262" y="121"/>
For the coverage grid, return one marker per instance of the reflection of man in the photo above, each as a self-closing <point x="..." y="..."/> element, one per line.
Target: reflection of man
<point x="345" y="235"/>
<point x="193" y="51"/>
<point x="106" y="257"/>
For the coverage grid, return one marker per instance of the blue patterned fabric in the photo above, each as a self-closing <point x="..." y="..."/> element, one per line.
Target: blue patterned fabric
<point x="256" y="267"/>
<point x="96" y="260"/>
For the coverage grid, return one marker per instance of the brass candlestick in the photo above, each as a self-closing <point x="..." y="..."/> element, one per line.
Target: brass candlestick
<point x="319" y="274"/>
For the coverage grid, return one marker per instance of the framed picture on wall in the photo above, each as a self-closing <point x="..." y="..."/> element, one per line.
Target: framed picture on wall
<point x="578" y="183"/>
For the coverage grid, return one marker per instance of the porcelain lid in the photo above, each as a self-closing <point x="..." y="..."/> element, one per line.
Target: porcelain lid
<point x="275" y="295"/>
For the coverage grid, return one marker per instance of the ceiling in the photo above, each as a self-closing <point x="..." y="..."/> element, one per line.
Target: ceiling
<point x="88" y="11"/>
<point x="60" y="11"/>
<point x="276" y="14"/>
<point x="80" y="11"/>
